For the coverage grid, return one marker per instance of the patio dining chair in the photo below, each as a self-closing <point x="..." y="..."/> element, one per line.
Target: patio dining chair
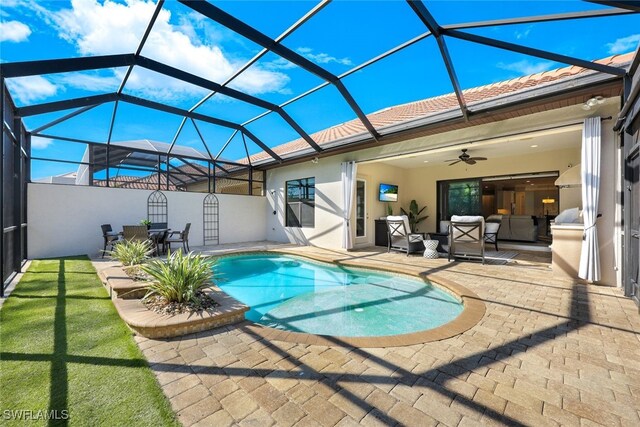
<point x="160" y="236"/>
<point x="400" y="236"/>
<point x="110" y="237"/>
<point x="135" y="233"/>
<point x="466" y="237"/>
<point x="179" y="237"/>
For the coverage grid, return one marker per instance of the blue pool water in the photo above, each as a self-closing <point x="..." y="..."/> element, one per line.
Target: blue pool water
<point x="296" y="295"/>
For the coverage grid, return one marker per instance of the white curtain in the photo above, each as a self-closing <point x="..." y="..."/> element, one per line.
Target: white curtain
<point x="590" y="256"/>
<point x="348" y="192"/>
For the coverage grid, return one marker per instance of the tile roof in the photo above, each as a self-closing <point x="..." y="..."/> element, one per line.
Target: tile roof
<point x="425" y="107"/>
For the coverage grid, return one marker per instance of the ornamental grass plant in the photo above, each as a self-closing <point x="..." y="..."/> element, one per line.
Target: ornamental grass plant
<point x="180" y="278"/>
<point x="129" y="252"/>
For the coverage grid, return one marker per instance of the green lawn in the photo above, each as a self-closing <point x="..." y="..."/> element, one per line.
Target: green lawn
<point x="64" y="348"/>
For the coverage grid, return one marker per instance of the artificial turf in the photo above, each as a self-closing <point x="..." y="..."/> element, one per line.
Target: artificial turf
<point x="64" y="348"/>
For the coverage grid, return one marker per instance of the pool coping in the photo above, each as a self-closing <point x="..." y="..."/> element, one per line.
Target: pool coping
<point x="473" y="311"/>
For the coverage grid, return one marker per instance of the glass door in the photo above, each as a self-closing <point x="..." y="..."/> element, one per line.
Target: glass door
<point x="361" y="208"/>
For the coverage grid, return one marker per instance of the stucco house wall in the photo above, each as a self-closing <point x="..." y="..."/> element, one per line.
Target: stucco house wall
<point x="421" y="183"/>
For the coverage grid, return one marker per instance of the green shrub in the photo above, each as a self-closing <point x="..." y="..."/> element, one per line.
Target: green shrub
<point x="132" y="252"/>
<point x="179" y="277"/>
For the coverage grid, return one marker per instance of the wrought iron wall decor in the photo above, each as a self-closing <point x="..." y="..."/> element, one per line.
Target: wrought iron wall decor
<point x="211" y="220"/>
<point x="157" y="207"/>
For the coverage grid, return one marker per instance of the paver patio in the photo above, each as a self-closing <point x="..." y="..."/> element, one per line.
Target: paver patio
<point x="547" y="352"/>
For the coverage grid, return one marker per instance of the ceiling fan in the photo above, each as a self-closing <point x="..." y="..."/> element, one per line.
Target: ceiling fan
<point x="464" y="157"/>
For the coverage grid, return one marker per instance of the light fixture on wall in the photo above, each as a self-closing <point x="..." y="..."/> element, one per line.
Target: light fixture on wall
<point x="314" y="160"/>
<point x="592" y="102"/>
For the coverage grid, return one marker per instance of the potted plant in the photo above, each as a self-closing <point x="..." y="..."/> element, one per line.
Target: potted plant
<point x="414" y="215"/>
<point x="146" y="222"/>
<point x="389" y="210"/>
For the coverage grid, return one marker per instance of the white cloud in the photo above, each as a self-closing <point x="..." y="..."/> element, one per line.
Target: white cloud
<point x="14" y="31"/>
<point x="525" y="67"/>
<point x="522" y="34"/>
<point x="40" y="143"/>
<point x="624" y="44"/>
<point x="279" y="64"/>
<point x="108" y="28"/>
<point x="90" y="82"/>
<point x="31" y="88"/>
<point x="322" y="58"/>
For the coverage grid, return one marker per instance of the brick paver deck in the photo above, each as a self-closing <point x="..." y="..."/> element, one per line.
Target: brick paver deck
<point x="546" y="352"/>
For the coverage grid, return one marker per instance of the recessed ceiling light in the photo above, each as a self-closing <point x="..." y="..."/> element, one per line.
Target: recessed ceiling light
<point x="528" y="181"/>
<point x="426" y="161"/>
<point x="534" y="146"/>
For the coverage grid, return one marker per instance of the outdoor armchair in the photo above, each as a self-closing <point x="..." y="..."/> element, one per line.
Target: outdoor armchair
<point x="491" y="229"/>
<point x="400" y="236"/>
<point x="179" y="237"/>
<point x="466" y="237"/>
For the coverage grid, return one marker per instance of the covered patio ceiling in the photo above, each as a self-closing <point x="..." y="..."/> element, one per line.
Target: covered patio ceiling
<point x="241" y="133"/>
<point x="557" y="138"/>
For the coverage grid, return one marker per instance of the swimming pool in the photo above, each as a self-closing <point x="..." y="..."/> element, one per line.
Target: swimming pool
<point x="294" y="294"/>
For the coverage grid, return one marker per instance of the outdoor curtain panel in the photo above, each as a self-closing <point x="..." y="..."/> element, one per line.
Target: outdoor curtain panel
<point x="348" y="192"/>
<point x="590" y="257"/>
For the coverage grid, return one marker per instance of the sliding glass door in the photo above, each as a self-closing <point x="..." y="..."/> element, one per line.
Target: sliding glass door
<point x="459" y="198"/>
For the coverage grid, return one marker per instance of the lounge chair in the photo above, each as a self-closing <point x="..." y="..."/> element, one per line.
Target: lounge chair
<point x="110" y="237"/>
<point x="179" y="237"/>
<point x="466" y="237"/>
<point x="400" y="236"/>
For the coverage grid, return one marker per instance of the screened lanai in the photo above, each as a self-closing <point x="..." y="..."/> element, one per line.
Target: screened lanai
<point x="224" y="93"/>
<point x="307" y="68"/>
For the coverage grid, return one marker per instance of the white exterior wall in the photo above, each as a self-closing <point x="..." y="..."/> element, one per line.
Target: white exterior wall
<point x="65" y="220"/>
<point x="329" y="209"/>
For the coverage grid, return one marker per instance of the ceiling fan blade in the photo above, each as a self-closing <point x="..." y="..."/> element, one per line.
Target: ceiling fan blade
<point x="457" y="161"/>
<point x="452" y="160"/>
<point x="478" y="158"/>
<point x="470" y="162"/>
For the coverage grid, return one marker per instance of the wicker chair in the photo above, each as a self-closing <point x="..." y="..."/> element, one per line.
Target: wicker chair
<point x="179" y="237"/>
<point x="135" y="233"/>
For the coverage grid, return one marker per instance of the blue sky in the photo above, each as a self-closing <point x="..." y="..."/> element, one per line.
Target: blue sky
<point x="342" y="35"/>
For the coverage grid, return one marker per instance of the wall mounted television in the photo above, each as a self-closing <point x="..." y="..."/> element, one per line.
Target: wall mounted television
<point x="388" y="193"/>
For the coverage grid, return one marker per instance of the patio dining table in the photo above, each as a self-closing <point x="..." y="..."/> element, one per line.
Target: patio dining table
<point x="157" y="235"/>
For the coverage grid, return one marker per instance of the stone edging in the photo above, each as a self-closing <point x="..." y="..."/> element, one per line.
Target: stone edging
<point x="473" y="312"/>
<point x="150" y="324"/>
